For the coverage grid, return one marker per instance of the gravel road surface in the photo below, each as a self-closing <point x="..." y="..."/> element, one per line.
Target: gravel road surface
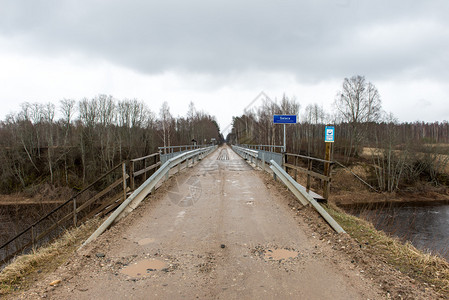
<point x="217" y="230"/>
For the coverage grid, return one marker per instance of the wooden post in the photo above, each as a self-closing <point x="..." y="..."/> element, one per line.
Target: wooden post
<point x="309" y="168"/>
<point x="145" y="168"/>
<point x="32" y="237"/>
<point x="124" y="180"/>
<point x="131" y="176"/>
<point x="74" y="213"/>
<point x="327" y="156"/>
<point x="284" y="160"/>
<point x="296" y="170"/>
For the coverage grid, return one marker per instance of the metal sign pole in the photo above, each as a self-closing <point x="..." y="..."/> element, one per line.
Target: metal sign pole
<point x="285" y="141"/>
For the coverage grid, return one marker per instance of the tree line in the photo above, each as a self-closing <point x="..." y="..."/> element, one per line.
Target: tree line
<point x="401" y="153"/>
<point x="89" y="138"/>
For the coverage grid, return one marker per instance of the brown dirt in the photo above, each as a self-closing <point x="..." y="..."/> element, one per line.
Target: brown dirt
<point x="214" y="234"/>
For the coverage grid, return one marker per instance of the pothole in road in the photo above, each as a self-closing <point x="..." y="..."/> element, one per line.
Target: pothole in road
<point x="280" y="254"/>
<point x="144" y="267"/>
<point x="276" y="254"/>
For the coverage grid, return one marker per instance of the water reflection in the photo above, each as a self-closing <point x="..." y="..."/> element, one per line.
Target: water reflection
<point x="426" y="227"/>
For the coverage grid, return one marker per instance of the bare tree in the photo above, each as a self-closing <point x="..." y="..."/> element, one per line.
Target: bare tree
<point x="48" y="116"/>
<point x="358" y="104"/>
<point x="389" y="163"/>
<point x="67" y="108"/>
<point x="313" y="122"/>
<point x="165" y="120"/>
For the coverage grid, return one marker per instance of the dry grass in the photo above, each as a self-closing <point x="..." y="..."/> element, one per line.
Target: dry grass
<point x="26" y="268"/>
<point x="428" y="268"/>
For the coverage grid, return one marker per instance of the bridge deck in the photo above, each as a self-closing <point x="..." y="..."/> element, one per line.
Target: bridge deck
<point x="221" y="230"/>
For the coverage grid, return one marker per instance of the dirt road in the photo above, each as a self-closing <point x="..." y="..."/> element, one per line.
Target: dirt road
<point x="217" y="232"/>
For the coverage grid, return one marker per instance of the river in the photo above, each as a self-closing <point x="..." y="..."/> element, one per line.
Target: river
<point x="426" y="227"/>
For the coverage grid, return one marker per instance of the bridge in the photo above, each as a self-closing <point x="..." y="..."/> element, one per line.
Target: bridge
<point x="210" y="223"/>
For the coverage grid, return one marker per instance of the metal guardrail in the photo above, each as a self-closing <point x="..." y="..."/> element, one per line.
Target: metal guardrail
<point x="245" y="153"/>
<point x="149" y="185"/>
<point x="267" y="148"/>
<point x="267" y="153"/>
<point x="169" y="152"/>
<point x="259" y="157"/>
<point x="267" y="156"/>
<point x="302" y="195"/>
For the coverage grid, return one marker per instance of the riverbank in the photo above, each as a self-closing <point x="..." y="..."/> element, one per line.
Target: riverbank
<point x="384" y="250"/>
<point x="347" y="190"/>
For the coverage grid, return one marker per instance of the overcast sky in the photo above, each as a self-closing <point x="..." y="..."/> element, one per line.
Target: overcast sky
<point x="222" y="54"/>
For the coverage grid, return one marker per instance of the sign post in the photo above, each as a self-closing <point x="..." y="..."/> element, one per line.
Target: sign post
<point x="329" y="138"/>
<point x="285" y="119"/>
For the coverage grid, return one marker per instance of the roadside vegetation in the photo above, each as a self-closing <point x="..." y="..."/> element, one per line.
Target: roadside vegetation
<point x="27" y="268"/>
<point x="425" y="267"/>
<point x="88" y="138"/>
<point x="400" y="155"/>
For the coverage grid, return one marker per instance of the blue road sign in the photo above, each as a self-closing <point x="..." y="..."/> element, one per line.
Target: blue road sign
<point x="284" y="119"/>
<point x="329" y="134"/>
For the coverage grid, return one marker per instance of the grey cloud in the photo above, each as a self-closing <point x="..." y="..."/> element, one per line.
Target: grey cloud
<point x="316" y="40"/>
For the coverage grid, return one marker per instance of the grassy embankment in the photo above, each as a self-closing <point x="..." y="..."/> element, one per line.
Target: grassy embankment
<point x="30" y="267"/>
<point x="425" y="267"/>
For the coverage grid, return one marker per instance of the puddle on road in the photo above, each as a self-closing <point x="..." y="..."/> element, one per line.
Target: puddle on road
<point x="146" y="241"/>
<point x="280" y="254"/>
<point x="143" y="267"/>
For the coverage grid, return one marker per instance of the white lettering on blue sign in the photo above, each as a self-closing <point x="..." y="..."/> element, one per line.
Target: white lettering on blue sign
<point x="284" y="119"/>
<point x="329" y="135"/>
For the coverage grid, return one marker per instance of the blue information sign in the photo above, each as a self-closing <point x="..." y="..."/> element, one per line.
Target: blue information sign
<point x="329" y="134"/>
<point x="284" y="119"/>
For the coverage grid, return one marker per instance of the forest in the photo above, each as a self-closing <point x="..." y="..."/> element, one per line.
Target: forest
<point x="399" y="153"/>
<point x="88" y="138"/>
<point x="77" y="141"/>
